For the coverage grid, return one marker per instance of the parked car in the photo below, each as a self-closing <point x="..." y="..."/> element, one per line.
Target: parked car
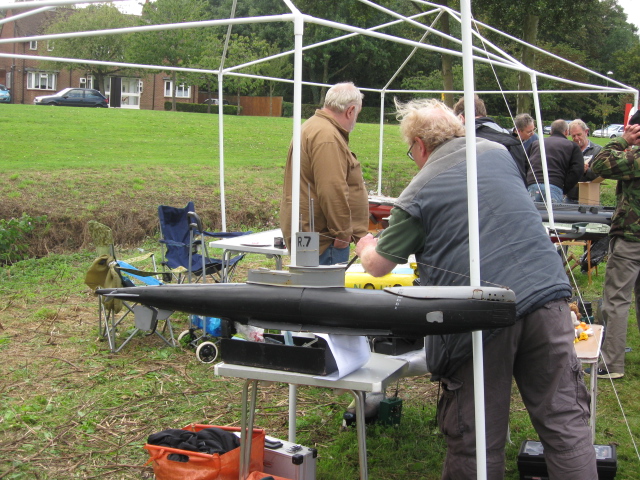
<point x="547" y="128"/>
<point x="74" y="97"/>
<point x="5" y="94"/>
<point x="610" y="131"/>
<point x="214" y="101"/>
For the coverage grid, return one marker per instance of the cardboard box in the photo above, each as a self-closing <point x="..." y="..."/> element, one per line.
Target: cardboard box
<point x="589" y="192"/>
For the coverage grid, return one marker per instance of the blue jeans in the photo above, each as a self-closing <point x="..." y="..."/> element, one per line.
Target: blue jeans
<point x="333" y="255"/>
<point x="537" y="193"/>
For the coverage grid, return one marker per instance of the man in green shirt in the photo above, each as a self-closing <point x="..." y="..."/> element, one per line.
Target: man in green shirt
<point x="619" y="161"/>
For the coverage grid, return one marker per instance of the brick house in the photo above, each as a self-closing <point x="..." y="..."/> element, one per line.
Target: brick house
<point x="27" y="79"/>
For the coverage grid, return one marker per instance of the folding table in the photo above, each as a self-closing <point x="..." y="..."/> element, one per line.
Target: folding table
<point x="588" y="352"/>
<point x="374" y="376"/>
<point x="261" y="243"/>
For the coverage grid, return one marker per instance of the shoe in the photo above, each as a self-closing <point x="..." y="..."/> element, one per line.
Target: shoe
<point x="604" y="373"/>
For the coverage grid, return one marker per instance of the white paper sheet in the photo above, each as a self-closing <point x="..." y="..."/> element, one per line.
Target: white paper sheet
<point x="350" y="351"/>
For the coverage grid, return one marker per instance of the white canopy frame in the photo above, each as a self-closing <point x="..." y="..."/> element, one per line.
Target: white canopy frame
<point x="469" y="53"/>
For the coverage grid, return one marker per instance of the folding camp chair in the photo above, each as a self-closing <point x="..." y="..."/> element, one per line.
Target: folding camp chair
<point x="106" y="271"/>
<point x="183" y="238"/>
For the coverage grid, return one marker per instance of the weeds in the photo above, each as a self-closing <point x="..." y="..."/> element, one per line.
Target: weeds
<point x="15" y="234"/>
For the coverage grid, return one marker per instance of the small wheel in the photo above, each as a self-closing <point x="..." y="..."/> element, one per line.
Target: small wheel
<point x="207" y="352"/>
<point x="185" y="338"/>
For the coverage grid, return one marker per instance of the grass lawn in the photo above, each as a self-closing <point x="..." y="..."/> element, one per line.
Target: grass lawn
<point x="71" y="409"/>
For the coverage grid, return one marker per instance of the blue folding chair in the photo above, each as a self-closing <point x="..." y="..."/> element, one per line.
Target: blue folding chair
<point x="183" y="240"/>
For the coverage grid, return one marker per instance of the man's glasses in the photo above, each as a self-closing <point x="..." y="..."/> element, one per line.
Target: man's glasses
<point x="409" y="154"/>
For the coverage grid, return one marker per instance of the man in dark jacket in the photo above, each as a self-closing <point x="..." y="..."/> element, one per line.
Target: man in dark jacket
<point x="487" y="128"/>
<point x="565" y="164"/>
<point x="430" y="219"/>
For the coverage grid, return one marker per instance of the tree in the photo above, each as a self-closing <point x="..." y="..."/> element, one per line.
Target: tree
<point x="109" y="48"/>
<point x="177" y="48"/>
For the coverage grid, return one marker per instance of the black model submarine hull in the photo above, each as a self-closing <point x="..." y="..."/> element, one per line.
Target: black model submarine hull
<point x="399" y="311"/>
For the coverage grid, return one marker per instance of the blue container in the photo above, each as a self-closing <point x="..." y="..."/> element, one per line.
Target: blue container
<point x="209" y="325"/>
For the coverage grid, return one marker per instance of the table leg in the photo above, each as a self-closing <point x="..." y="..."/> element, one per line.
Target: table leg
<point x="293" y="407"/>
<point x="226" y="260"/>
<point x="246" y="426"/>
<point x="593" y="391"/>
<point x="361" y="432"/>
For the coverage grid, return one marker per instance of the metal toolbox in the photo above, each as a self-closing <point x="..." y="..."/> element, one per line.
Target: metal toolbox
<point x="289" y="460"/>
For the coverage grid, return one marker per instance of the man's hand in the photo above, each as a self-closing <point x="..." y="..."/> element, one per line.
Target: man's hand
<point x="632" y="134"/>
<point x="337" y="243"/>
<point x="366" y="241"/>
<point x="373" y="263"/>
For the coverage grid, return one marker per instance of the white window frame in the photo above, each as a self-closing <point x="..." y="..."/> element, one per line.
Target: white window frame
<point x="34" y="80"/>
<point x="182" y="90"/>
<point x="33" y="45"/>
<point x="50" y="45"/>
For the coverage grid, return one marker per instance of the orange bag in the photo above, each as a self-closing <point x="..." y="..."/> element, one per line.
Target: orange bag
<point x="202" y="466"/>
<point x="261" y="475"/>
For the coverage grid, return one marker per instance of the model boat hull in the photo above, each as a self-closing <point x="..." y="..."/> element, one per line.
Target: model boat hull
<point x="400" y="311"/>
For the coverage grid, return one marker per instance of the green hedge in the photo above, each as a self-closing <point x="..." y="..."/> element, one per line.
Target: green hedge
<point x="367" y="115"/>
<point x="504" y="122"/>
<point x="307" y="110"/>
<point x="202" y="108"/>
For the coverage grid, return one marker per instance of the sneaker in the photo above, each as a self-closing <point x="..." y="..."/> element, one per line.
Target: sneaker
<point x="604" y="373"/>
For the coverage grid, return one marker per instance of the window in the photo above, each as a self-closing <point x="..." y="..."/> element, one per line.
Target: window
<point x="50" y="45"/>
<point x="75" y="93"/>
<point x="182" y="90"/>
<point x="33" y="45"/>
<point x="41" y="81"/>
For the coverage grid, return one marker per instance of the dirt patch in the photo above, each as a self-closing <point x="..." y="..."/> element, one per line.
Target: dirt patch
<point x="131" y="214"/>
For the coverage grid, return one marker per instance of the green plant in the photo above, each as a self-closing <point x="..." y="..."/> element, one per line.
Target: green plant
<point x="201" y="108"/>
<point x="14" y="235"/>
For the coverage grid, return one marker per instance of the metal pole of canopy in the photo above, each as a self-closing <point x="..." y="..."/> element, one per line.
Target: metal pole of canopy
<point x="474" y="243"/>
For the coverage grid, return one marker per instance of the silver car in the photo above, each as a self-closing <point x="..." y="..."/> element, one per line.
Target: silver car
<point x="5" y="94"/>
<point x="610" y="131"/>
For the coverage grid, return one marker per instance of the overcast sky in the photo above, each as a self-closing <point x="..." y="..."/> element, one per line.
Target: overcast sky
<point x="632" y="9"/>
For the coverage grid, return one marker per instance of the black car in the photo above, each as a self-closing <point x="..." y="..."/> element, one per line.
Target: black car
<point x="74" y="97"/>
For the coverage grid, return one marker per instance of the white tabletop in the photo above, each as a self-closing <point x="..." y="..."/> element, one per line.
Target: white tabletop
<point x="374" y="376"/>
<point x="588" y="350"/>
<point x="261" y="242"/>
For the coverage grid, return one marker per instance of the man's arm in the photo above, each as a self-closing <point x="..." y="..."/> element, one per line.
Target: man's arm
<point x="576" y="169"/>
<point x="615" y="161"/>
<point x="401" y="238"/>
<point x="373" y="263"/>
<point x="330" y="170"/>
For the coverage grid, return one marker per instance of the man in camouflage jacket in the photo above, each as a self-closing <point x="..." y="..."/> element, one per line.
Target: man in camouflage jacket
<point x="620" y="160"/>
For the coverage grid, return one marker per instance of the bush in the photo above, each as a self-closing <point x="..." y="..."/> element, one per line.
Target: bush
<point x="202" y="108"/>
<point x="367" y="115"/>
<point x="307" y="110"/>
<point x="14" y="237"/>
<point x="504" y="122"/>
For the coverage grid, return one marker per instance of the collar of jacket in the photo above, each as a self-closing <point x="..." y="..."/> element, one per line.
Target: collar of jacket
<point x="327" y="116"/>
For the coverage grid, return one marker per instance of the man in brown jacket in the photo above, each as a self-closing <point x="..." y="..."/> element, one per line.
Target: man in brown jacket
<point x="330" y="172"/>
